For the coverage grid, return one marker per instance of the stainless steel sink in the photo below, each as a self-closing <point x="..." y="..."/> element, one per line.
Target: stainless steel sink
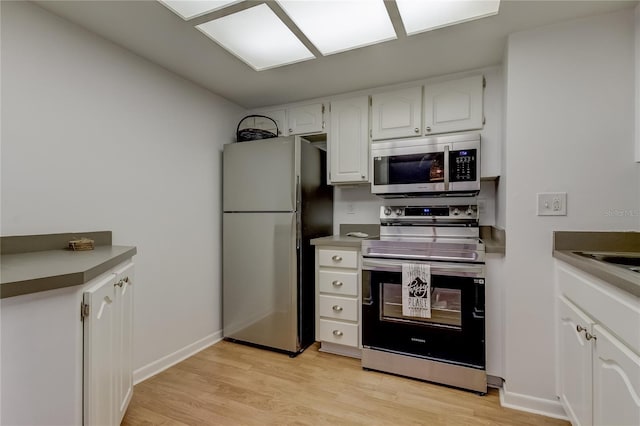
<point x="629" y="261"/>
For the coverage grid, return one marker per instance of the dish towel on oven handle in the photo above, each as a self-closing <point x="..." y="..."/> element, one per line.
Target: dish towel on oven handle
<point x="416" y="290"/>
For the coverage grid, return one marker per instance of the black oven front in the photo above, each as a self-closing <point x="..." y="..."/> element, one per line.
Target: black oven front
<point x="455" y="332"/>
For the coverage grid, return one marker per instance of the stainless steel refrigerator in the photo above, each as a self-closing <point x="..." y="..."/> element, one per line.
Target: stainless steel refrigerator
<point x="275" y="200"/>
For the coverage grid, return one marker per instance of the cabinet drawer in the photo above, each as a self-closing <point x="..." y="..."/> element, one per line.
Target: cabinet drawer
<point x="338" y="258"/>
<point x="342" y="308"/>
<point x="344" y="283"/>
<point x="339" y="332"/>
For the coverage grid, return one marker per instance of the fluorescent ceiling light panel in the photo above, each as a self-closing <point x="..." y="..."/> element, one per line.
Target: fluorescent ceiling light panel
<point x="188" y="9"/>
<point x="426" y="15"/>
<point x="335" y="26"/>
<point x="258" y="37"/>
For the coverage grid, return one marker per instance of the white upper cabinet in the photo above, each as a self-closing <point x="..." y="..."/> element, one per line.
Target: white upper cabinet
<point x="396" y="114"/>
<point x="453" y="106"/>
<point x="449" y="106"/>
<point x="306" y="119"/>
<point x="278" y="115"/>
<point x="349" y="140"/>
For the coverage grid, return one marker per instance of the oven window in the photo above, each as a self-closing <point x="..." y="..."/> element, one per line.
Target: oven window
<point x="445" y="306"/>
<point x="409" y="169"/>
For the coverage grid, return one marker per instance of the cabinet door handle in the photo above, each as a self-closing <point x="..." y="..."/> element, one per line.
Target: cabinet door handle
<point x="337" y="308"/>
<point x="580" y="328"/>
<point x="428" y="129"/>
<point x="336" y="258"/>
<point x="589" y="336"/>
<point x="119" y="283"/>
<point x="337" y="283"/>
<point x="337" y="333"/>
<point x="416" y="130"/>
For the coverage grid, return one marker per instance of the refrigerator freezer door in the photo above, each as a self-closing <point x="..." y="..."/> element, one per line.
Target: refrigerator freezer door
<point x="260" y="279"/>
<point x="260" y="176"/>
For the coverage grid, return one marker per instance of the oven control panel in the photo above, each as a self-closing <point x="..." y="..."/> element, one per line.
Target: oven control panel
<point x="466" y="211"/>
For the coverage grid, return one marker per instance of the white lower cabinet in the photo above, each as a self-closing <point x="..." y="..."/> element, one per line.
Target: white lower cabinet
<point x="338" y="300"/>
<point x="598" y="354"/>
<point x="60" y="367"/>
<point x="616" y="381"/>
<point x="123" y="339"/>
<point x="576" y="382"/>
<point x="108" y="344"/>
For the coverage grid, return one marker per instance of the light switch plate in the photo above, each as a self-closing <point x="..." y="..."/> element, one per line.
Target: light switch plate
<point x="552" y="204"/>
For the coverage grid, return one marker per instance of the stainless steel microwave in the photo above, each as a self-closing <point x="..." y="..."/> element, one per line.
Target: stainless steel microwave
<point x="434" y="166"/>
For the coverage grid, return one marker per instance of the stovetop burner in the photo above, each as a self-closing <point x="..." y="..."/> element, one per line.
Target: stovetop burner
<point x="443" y="233"/>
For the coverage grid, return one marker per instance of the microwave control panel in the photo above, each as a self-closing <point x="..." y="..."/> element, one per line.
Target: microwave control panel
<point x="463" y="165"/>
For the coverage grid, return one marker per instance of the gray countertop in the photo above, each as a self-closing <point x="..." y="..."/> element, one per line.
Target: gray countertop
<point x="566" y="243"/>
<point x="32" y="272"/>
<point x="493" y="239"/>
<point x="338" y="241"/>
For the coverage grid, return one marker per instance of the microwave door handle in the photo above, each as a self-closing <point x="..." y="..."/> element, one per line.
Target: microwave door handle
<point x="446" y="167"/>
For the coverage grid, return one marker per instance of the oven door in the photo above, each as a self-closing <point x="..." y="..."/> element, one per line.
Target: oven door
<point x="455" y="331"/>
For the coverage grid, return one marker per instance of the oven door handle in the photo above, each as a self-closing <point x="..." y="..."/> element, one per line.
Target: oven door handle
<point x="394" y="265"/>
<point x="473" y="258"/>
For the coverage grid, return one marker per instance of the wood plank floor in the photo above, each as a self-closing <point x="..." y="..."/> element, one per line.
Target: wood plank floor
<point x="233" y="384"/>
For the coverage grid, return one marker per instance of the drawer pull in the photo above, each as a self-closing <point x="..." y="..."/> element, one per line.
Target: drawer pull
<point x="337" y="308"/>
<point x="336" y="258"/>
<point x="337" y="333"/>
<point x="337" y="283"/>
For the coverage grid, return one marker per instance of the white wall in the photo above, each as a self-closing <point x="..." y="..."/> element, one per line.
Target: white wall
<point x="637" y="52"/>
<point x="637" y="110"/>
<point x="569" y="127"/>
<point x="96" y="138"/>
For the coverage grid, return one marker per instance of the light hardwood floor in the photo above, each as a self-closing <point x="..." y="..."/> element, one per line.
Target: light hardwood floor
<point x="233" y="384"/>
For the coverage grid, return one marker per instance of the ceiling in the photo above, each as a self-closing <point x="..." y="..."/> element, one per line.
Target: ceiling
<point x="152" y="31"/>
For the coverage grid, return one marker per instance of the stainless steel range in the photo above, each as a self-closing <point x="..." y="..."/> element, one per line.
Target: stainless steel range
<point x="429" y="325"/>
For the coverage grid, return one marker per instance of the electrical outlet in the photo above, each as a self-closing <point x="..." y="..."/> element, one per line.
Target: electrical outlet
<point x="351" y="209"/>
<point x="552" y="204"/>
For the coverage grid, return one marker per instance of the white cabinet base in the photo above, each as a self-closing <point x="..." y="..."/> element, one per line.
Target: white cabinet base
<point x="338" y="308"/>
<point x="334" y="348"/>
<point x="599" y="365"/>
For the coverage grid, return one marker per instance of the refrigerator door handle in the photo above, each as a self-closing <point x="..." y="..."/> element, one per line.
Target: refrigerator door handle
<point x="298" y="214"/>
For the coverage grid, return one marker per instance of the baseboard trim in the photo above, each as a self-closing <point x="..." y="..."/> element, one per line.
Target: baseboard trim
<point x="157" y="366"/>
<point x="531" y="404"/>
